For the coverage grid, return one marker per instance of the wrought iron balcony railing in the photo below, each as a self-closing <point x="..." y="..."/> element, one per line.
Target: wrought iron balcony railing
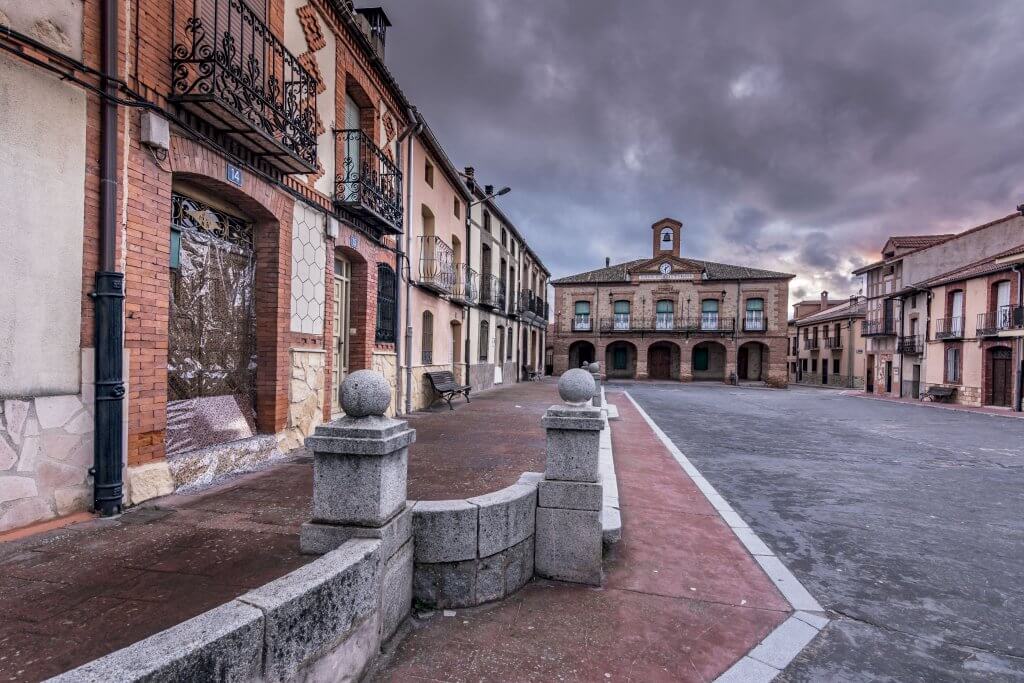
<point x="437" y="264"/>
<point x="833" y="342"/>
<point x="949" y="328"/>
<point x="368" y="182"/>
<point x="501" y="299"/>
<point x="581" y="323"/>
<point x="465" y="286"/>
<point x="1003" y="318"/>
<point x="753" y="321"/>
<point x="909" y="344"/>
<point x="229" y="70"/>
<point x="877" y="328"/>
<point x="490" y="288"/>
<point x="811" y="344"/>
<point x="661" y="324"/>
<point x="532" y="307"/>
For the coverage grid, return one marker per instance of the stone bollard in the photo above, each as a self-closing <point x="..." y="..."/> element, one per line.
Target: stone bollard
<point x="595" y="372"/>
<point x="568" y="531"/>
<point x="360" y="467"/>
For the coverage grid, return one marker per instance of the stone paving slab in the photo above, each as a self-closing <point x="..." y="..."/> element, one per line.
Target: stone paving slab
<point x="681" y="600"/>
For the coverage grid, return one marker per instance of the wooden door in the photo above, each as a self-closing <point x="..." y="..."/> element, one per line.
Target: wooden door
<point x="742" y="362"/>
<point x="659" y="363"/>
<point x="340" y="325"/>
<point x="1001" y="387"/>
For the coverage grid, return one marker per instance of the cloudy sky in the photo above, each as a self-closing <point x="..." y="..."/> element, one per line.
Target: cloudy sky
<point x="787" y="134"/>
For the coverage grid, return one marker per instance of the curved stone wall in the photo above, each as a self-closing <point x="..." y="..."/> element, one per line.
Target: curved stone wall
<point x="475" y="550"/>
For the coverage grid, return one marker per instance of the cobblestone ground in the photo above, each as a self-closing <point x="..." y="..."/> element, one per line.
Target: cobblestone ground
<point x="905" y="522"/>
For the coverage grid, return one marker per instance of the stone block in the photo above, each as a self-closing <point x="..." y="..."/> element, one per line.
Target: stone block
<point x="572" y="455"/>
<point x="223" y="644"/>
<point x="519" y="566"/>
<point x="568" y="545"/>
<point x="312" y="610"/>
<point x="349" y="660"/>
<point x="374" y="435"/>
<point x="442" y="585"/>
<point x="148" y="481"/>
<point x="365" y="490"/>
<point x="506" y="517"/>
<point x="530" y="477"/>
<point x="396" y="591"/>
<point x="55" y="411"/>
<point x="445" y="530"/>
<point x="570" y="495"/>
<point x="490" y="578"/>
<point x="318" y="538"/>
<point x="16" y="488"/>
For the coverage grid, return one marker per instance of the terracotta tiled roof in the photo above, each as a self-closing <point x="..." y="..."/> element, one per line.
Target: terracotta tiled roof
<point x="713" y="271"/>
<point x="841" y="312"/>
<point x="918" y="241"/>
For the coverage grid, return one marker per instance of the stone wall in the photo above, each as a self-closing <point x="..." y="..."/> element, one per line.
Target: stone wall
<point x="306" y="397"/>
<point x="481" y="376"/>
<point x="423" y="394"/>
<point x="385" y="362"/>
<point x="468" y="552"/>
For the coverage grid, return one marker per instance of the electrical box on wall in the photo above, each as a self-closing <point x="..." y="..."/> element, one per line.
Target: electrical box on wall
<point x="156" y="132"/>
<point x="332" y="227"/>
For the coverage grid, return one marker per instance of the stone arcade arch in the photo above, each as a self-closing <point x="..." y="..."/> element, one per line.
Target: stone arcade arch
<point x="581" y="352"/>
<point x="663" y="360"/>
<point x="620" y="359"/>
<point x="752" y="362"/>
<point x="708" y="361"/>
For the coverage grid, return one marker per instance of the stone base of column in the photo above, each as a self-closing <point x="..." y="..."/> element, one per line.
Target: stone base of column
<point x="568" y="545"/>
<point x="319" y="538"/>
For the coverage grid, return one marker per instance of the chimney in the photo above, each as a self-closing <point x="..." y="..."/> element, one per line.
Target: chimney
<point x="470" y="174"/>
<point x="375" y="26"/>
<point x="488" y="190"/>
<point x="607" y="261"/>
<point x="824" y="300"/>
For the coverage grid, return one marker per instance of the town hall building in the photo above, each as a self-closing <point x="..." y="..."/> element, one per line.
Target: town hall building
<point x="671" y="317"/>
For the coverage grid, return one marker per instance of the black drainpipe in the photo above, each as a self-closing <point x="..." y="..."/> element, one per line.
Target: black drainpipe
<point x="108" y="297"/>
<point x="1019" y="403"/>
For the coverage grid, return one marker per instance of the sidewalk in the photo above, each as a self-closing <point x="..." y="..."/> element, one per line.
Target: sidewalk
<point x="984" y="410"/>
<point x="73" y="594"/>
<point x="682" y="599"/>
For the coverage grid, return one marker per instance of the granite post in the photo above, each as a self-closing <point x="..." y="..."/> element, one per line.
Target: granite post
<point x="569" y="498"/>
<point x="360" y="467"/>
<point x="595" y="372"/>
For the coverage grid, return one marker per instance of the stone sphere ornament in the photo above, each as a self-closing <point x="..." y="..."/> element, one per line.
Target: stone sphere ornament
<point x="594" y="367"/>
<point x="576" y="386"/>
<point x="365" y="393"/>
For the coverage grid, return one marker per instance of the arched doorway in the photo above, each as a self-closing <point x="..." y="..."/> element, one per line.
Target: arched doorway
<point x="663" y="360"/>
<point x="581" y="352"/>
<point x="620" y="360"/>
<point x="708" y="361"/>
<point x="999" y="361"/>
<point x="752" y="362"/>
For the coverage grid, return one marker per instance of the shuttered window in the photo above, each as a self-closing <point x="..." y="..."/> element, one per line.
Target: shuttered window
<point x="428" y="338"/>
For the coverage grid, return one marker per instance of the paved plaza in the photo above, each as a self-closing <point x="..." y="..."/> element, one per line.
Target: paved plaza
<point x="904" y="521"/>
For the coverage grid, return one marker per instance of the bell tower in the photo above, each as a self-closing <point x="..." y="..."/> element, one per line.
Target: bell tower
<point x="666" y="237"/>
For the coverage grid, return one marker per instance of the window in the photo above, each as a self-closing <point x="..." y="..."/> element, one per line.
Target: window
<point x="508" y="346"/>
<point x="837" y="327"/>
<point x="457" y="208"/>
<point x="753" y="321"/>
<point x="428" y="338"/>
<point x="665" y="318"/>
<point x="953" y="364"/>
<point x="956" y="313"/>
<point x="581" y="317"/>
<point x="666" y="239"/>
<point x="835" y="366"/>
<point x="487" y="221"/>
<point x="484" y="339"/>
<point x="803" y="364"/>
<point x="386" y="290"/>
<point x="621" y="310"/>
<point x="428" y="172"/>
<point x="814" y="365"/>
<point x="504" y="237"/>
<point x="709" y="314"/>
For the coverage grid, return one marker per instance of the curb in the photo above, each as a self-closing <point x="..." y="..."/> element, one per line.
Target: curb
<point x="854" y="393"/>
<point x="611" y="518"/>
<point x="780" y="647"/>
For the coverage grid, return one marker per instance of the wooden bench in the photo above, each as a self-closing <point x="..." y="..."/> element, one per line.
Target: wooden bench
<point x="939" y="394"/>
<point x="444" y="384"/>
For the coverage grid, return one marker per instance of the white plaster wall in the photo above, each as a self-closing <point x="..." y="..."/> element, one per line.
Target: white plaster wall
<point x="309" y="254"/>
<point x="42" y="204"/>
<point x="957" y="252"/>
<point x="56" y="23"/>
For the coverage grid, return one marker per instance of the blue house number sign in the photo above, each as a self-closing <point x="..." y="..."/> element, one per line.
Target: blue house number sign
<point x="234" y="175"/>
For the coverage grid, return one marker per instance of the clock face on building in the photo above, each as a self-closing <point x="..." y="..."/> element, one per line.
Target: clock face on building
<point x="665" y="268"/>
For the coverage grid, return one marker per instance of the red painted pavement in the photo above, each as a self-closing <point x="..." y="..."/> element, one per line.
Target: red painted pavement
<point x="682" y="599"/>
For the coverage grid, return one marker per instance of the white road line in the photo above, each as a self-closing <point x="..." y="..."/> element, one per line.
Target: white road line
<point x="773" y="654"/>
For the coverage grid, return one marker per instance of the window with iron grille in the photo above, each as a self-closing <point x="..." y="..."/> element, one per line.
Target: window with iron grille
<point x="484" y="340"/>
<point x="508" y="347"/>
<point x="428" y="338"/>
<point x="387" y="287"/>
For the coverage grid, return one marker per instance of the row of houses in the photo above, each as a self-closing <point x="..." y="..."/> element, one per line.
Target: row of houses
<point x="942" y="317"/>
<point x="211" y="211"/>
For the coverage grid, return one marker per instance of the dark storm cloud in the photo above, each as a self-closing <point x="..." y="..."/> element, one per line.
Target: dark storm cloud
<point x="788" y="134"/>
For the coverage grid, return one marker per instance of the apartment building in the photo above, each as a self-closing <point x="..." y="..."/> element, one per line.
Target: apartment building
<point x="674" y="317"/>
<point x="825" y="343"/>
<point x="209" y="197"/>
<point x="940" y="312"/>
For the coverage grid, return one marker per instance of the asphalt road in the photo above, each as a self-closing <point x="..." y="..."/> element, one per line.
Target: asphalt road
<point x="905" y="522"/>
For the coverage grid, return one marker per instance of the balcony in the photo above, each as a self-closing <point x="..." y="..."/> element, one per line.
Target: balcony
<point x="753" y="321"/>
<point x="490" y="289"/>
<point x="368" y="183"/>
<point x="464" y="289"/>
<point x="877" y="328"/>
<point x="811" y="344"/>
<point x="667" y="323"/>
<point x="229" y="70"/>
<point x="437" y="265"/>
<point x="949" y="328"/>
<point x="581" y="323"/>
<point x="833" y="342"/>
<point x="910" y="344"/>
<point x="1003" y="318"/>
<point x="532" y="308"/>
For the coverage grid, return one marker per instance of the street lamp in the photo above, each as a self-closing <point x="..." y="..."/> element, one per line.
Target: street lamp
<point x="492" y="195"/>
